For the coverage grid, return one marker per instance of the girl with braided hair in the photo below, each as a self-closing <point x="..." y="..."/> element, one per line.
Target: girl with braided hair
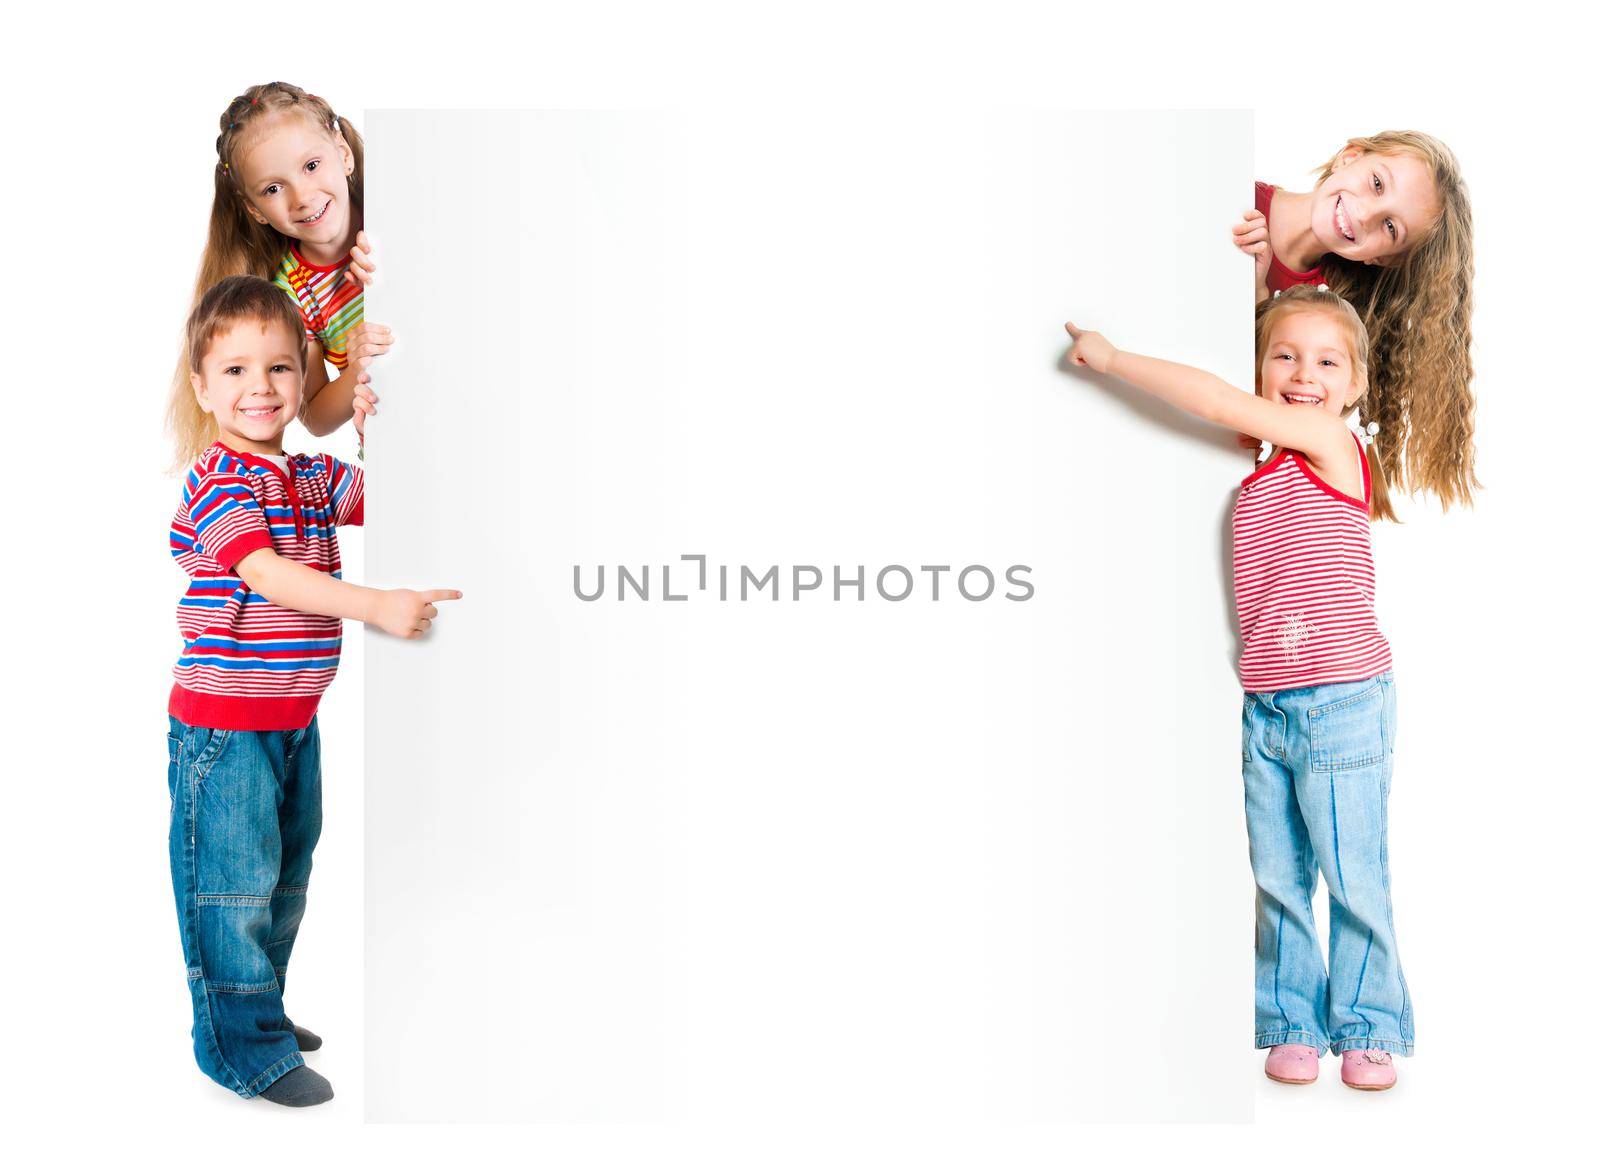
<point x="287" y="207"/>
<point x="1389" y="228"/>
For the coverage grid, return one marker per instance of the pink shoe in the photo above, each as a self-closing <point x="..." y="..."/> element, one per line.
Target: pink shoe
<point x="1369" y="1070"/>
<point x="1293" y="1064"/>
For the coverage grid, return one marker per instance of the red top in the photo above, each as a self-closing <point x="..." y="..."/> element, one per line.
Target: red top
<point x="1279" y="275"/>
<point x="1303" y="579"/>
<point x="247" y="664"/>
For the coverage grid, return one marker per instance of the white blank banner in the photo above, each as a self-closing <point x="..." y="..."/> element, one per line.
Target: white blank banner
<point x="767" y="869"/>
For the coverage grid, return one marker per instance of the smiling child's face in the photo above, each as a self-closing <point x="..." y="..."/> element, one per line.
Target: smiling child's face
<point x="1308" y="362"/>
<point x="250" y="380"/>
<point x="295" y="178"/>
<point x="1374" y="206"/>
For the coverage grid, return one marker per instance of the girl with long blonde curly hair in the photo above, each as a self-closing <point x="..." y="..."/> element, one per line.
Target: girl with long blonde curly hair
<point x="1388" y="227"/>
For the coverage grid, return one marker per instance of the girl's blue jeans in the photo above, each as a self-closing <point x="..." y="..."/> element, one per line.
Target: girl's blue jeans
<point x="1317" y="763"/>
<point x="246" y="813"/>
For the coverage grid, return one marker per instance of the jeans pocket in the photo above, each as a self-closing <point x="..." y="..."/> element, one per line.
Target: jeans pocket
<point x="1244" y="736"/>
<point x="1349" y="733"/>
<point x="207" y="744"/>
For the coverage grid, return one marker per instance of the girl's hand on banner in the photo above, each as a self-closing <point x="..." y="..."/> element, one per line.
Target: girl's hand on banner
<point x="361" y="267"/>
<point x="365" y="402"/>
<point x="367" y="341"/>
<point x="1250" y="236"/>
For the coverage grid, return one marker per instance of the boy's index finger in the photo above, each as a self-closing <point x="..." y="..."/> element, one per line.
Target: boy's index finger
<point x="440" y="595"/>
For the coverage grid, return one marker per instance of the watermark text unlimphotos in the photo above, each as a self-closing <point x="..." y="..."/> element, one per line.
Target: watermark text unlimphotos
<point x="695" y="578"/>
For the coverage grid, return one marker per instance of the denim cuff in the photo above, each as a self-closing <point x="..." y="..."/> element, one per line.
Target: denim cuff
<point x="293" y="1060"/>
<point x="1362" y="1043"/>
<point x="1273" y="1039"/>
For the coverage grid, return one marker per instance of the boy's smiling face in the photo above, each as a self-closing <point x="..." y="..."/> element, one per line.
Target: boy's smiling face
<point x="295" y="178"/>
<point x="250" y="381"/>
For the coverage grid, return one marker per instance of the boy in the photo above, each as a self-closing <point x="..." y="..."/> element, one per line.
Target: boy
<point x="261" y="624"/>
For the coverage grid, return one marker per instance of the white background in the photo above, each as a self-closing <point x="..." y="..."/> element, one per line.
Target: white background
<point x="707" y="863"/>
<point x="110" y="118"/>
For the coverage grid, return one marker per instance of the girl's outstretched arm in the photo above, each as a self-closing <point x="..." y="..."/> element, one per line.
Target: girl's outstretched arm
<point x="1319" y="434"/>
<point x="328" y="404"/>
<point x="286" y="583"/>
<point x="314" y="385"/>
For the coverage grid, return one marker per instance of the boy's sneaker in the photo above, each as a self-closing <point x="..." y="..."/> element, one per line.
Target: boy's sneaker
<point x="306" y="1040"/>
<point x="1368" y="1070"/>
<point x="1293" y="1064"/>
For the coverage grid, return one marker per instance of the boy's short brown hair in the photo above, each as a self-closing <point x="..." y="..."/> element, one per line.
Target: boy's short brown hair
<point x="234" y="299"/>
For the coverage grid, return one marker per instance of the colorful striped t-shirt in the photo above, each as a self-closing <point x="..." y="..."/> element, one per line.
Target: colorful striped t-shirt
<point x="1303" y="579"/>
<point x="329" y="305"/>
<point x="248" y="664"/>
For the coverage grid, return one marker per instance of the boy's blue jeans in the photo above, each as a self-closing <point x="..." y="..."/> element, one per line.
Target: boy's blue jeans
<point x="1317" y="763"/>
<point x="246" y="813"/>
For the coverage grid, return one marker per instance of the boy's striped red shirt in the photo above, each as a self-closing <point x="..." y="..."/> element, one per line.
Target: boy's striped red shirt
<point x="248" y="664"/>
<point x="1303" y="579"/>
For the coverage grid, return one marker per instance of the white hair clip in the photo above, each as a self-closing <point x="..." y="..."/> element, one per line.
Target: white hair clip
<point x="1368" y="435"/>
<point x="1322" y="288"/>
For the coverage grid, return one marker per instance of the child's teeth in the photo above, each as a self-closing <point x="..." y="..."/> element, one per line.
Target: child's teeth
<point x="1342" y="219"/>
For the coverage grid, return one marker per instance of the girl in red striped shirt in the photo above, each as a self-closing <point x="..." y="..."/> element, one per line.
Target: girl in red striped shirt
<point x="1319" y="712"/>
